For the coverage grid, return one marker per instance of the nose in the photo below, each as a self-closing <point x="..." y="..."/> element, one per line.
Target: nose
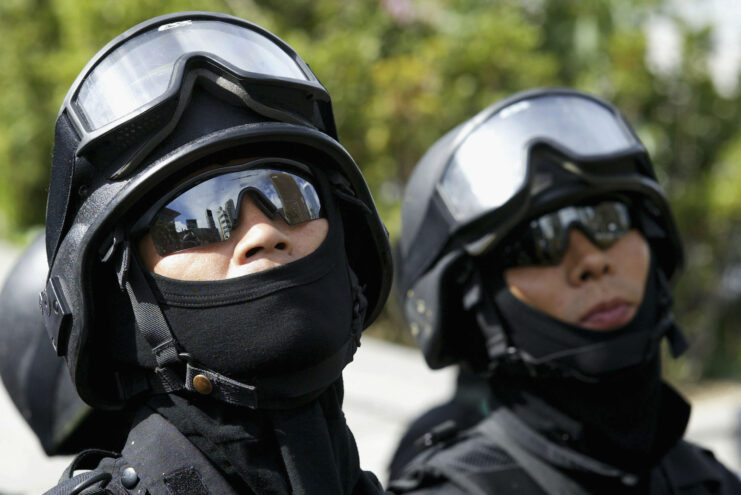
<point x="256" y="233"/>
<point x="585" y="261"/>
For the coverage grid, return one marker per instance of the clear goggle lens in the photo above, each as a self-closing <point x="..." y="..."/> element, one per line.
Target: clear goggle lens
<point x="546" y="238"/>
<point x="209" y="211"/>
<point x="140" y="70"/>
<point x="490" y="165"/>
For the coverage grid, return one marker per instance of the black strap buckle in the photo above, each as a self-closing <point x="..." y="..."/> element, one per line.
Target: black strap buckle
<point x="220" y="387"/>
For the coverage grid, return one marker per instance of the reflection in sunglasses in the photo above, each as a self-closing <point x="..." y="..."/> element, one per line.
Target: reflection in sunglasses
<point x="201" y="215"/>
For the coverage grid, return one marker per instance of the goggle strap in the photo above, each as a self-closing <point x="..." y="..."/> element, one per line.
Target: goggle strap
<point x="270" y="112"/>
<point x="240" y="93"/>
<point x="134" y="157"/>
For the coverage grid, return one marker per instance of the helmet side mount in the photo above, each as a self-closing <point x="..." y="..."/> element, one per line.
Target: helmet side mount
<point x="56" y="312"/>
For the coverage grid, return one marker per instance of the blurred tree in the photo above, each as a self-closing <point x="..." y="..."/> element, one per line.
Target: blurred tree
<point x="45" y="44"/>
<point x="403" y="72"/>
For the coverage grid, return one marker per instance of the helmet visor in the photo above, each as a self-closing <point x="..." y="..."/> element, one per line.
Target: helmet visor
<point x="139" y="71"/>
<point x="490" y="165"/>
<point x="208" y="211"/>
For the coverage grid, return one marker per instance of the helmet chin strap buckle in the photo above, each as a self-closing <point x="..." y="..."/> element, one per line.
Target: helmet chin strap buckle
<point x="497" y="343"/>
<point x="207" y="382"/>
<point x="56" y="312"/>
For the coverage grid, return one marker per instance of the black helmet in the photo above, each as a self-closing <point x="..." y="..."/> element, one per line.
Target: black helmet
<point x="154" y="105"/>
<point x="534" y="152"/>
<point x="36" y="378"/>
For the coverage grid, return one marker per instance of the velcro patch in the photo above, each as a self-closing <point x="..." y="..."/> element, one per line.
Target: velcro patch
<point x="186" y="481"/>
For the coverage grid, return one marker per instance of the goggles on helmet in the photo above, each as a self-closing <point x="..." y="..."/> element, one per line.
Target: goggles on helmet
<point x="206" y="208"/>
<point x="144" y="78"/>
<point x="490" y="165"/>
<point x="545" y="239"/>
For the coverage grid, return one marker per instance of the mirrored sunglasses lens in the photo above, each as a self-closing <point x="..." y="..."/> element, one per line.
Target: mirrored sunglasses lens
<point x="548" y="236"/>
<point x="297" y="198"/>
<point x="609" y="223"/>
<point x="209" y="211"/>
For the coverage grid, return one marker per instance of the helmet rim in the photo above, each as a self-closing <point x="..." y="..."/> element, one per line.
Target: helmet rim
<point x="91" y="232"/>
<point x="431" y="234"/>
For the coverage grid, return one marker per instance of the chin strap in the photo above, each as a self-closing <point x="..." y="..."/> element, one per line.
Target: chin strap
<point x="168" y="374"/>
<point x="677" y="341"/>
<point x="150" y="321"/>
<point x="502" y="353"/>
<point x="497" y="343"/>
<point x="177" y="370"/>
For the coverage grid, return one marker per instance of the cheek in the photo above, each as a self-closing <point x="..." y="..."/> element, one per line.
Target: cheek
<point x="193" y="266"/>
<point x="634" y="257"/>
<point x="543" y="288"/>
<point x="309" y="236"/>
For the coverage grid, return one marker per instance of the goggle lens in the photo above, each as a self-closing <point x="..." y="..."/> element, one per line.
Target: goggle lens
<point x="208" y="212"/>
<point x="140" y="71"/>
<point x="491" y="164"/>
<point x="546" y="238"/>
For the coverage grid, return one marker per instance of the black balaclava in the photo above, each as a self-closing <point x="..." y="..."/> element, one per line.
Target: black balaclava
<point x="622" y="415"/>
<point x="274" y="322"/>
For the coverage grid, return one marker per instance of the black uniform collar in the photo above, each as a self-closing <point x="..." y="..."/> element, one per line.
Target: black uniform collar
<point x="548" y="426"/>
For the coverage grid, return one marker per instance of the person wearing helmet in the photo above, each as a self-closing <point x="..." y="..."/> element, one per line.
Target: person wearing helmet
<point x="36" y="379"/>
<point x="214" y="255"/>
<point x="538" y="249"/>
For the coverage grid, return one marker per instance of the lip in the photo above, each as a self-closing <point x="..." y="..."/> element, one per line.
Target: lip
<point x="608" y="315"/>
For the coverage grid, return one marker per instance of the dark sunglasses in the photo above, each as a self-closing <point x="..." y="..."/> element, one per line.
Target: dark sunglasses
<point x="545" y="239"/>
<point x="206" y="209"/>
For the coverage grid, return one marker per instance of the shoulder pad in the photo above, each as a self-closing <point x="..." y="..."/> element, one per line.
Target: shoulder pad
<point x="466" y="461"/>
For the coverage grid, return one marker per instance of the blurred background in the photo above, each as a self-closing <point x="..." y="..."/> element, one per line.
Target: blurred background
<point x="403" y="72"/>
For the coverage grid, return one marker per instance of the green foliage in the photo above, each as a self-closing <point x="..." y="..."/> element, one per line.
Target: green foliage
<point x="45" y="43"/>
<point x="402" y="73"/>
